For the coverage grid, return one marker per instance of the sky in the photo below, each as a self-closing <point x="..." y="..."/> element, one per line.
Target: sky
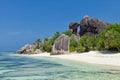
<point x="24" y="21"/>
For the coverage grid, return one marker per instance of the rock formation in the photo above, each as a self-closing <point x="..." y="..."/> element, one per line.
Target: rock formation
<point x="61" y="45"/>
<point x="76" y="37"/>
<point x="91" y="25"/>
<point x="73" y="26"/>
<point x="28" y="49"/>
<point x="88" y="26"/>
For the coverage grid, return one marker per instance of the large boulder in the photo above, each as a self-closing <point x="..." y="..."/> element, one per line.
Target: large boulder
<point x="61" y="45"/>
<point x="73" y="26"/>
<point x="92" y="25"/>
<point x="27" y="49"/>
<point x="88" y="26"/>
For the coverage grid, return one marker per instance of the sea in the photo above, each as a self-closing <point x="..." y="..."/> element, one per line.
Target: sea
<point x="19" y="67"/>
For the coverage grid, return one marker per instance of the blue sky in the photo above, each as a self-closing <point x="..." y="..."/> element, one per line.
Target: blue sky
<point x="23" y="21"/>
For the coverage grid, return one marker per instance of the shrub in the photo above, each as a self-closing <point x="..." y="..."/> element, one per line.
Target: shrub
<point x="37" y="44"/>
<point x="73" y="45"/>
<point x="48" y="43"/>
<point x="80" y="49"/>
<point x="109" y="39"/>
<point x="55" y="36"/>
<point x="86" y="42"/>
<point x="68" y="33"/>
<point x="72" y="49"/>
<point x="46" y="46"/>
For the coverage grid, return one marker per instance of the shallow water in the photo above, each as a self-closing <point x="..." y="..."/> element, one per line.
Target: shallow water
<point x="15" y="67"/>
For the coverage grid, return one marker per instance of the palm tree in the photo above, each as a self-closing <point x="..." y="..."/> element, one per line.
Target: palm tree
<point x="38" y="43"/>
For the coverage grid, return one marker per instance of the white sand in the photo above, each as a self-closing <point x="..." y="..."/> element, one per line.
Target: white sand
<point x="94" y="57"/>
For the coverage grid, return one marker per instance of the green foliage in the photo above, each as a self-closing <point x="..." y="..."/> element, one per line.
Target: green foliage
<point x="86" y="43"/>
<point x="46" y="39"/>
<point x="73" y="42"/>
<point x="34" y="49"/>
<point x="72" y="49"/>
<point x="56" y="35"/>
<point x="109" y="39"/>
<point x="68" y="33"/>
<point x="80" y="49"/>
<point x="37" y="44"/>
<point x="73" y="45"/>
<point x="48" y="43"/>
<point x="113" y="41"/>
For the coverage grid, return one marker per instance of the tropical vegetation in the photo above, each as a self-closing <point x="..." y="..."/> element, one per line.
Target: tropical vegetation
<point x="108" y="39"/>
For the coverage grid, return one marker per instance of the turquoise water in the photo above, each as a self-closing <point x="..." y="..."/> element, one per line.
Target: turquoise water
<point x="15" y="67"/>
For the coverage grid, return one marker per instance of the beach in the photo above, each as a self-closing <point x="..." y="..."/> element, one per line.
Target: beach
<point x="43" y="66"/>
<point x="93" y="57"/>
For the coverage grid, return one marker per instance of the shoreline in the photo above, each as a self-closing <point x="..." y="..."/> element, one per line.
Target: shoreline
<point x="104" y="58"/>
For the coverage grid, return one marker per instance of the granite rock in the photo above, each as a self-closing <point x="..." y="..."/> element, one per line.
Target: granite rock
<point x="61" y="45"/>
